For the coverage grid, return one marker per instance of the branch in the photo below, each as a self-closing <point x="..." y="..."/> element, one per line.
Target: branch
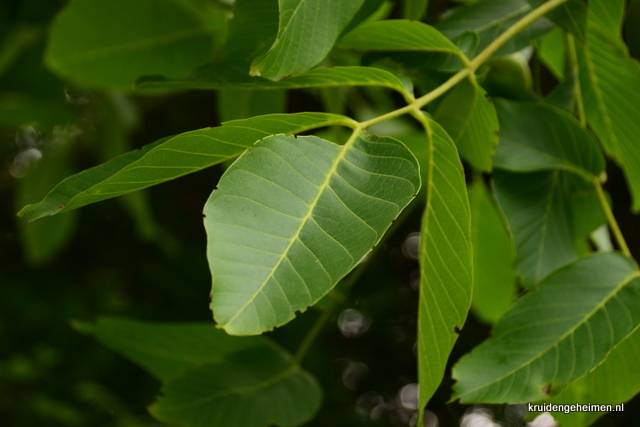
<point x="482" y="57"/>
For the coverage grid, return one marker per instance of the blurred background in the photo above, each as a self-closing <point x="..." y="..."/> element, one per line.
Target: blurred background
<point x="143" y="256"/>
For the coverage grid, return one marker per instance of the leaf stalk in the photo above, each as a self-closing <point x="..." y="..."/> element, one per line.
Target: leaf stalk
<point x="611" y="219"/>
<point x="474" y="64"/>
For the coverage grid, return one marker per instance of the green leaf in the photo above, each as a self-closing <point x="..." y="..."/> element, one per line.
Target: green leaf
<point x="607" y="16"/>
<point x="260" y="386"/>
<point x="571" y="15"/>
<point x="292" y="216"/>
<point x="555" y="335"/>
<point x="398" y="34"/>
<point x="586" y="211"/>
<point x="415" y="9"/>
<point x="170" y="158"/>
<point x="111" y="42"/>
<point x="563" y="96"/>
<point x="210" y="378"/>
<point x="446" y="263"/>
<point x="471" y="121"/>
<point x="616" y="381"/>
<point x="306" y="33"/>
<point x="552" y="52"/>
<point x="610" y="82"/>
<point x="537" y="136"/>
<point x="167" y="350"/>
<point x="252" y="30"/>
<point x="494" y="283"/>
<point x="539" y="216"/>
<point x="491" y="18"/>
<point x="224" y="76"/>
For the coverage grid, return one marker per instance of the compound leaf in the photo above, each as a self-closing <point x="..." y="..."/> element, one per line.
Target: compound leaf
<point x="292" y="216"/>
<point x="490" y="19"/>
<point x="554" y="335"/>
<point x="306" y="33"/>
<point x="170" y="158"/>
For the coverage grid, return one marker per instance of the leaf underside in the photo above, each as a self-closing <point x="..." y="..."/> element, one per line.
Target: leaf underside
<point x="307" y="31"/>
<point x="620" y="368"/>
<point x="292" y="216"/>
<point x="554" y="335"/>
<point x="171" y="158"/>
<point x="446" y="264"/>
<point x="539" y="216"/>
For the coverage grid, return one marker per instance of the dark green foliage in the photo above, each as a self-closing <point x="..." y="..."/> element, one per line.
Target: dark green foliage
<point x="325" y="134"/>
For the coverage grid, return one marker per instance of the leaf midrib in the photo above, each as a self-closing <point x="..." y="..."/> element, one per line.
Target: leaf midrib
<point x="321" y="189"/>
<point x="588" y="316"/>
<point x="239" y="390"/>
<point x="68" y="205"/>
<point x="602" y="108"/>
<point x="565" y="164"/>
